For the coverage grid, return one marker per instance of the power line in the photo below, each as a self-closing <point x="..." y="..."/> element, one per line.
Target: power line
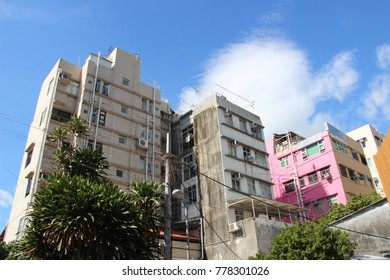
<point x="220" y="238"/>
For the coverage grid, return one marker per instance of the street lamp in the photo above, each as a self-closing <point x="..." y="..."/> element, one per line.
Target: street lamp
<point x="183" y="197"/>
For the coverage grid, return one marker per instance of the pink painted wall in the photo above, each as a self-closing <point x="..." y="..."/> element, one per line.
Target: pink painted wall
<point x="317" y="191"/>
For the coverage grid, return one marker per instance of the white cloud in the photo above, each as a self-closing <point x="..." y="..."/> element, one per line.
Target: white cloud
<point x="277" y="75"/>
<point x="383" y="56"/>
<point x="377" y="99"/>
<point x="5" y="199"/>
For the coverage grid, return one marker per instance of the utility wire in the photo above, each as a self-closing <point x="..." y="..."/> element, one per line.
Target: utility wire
<point x="220" y="238"/>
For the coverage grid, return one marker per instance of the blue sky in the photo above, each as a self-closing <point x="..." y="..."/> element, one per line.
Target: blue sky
<point x="300" y="62"/>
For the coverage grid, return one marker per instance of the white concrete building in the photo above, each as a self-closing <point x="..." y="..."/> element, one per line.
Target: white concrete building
<point x="225" y="173"/>
<point x="127" y="120"/>
<point x="370" y="138"/>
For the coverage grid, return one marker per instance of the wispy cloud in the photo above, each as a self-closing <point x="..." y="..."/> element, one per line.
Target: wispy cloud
<point x="383" y="56"/>
<point x="377" y="99"/>
<point x="278" y="76"/>
<point x="5" y="199"/>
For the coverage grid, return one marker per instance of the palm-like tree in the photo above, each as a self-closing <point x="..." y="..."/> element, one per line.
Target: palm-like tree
<point x="58" y="135"/>
<point x="79" y="218"/>
<point x="77" y="128"/>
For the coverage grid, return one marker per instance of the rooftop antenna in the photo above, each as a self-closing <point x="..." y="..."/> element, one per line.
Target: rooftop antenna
<point x="251" y="103"/>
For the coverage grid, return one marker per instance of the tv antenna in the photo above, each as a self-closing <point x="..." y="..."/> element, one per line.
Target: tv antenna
<point x="251" y="103"/>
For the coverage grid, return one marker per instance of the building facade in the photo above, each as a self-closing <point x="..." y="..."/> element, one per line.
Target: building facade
<point x="370" y="139"/>
<point x="224" y="171"/>
<point x="382" y="161"/>
<point x="126" y="117"/>
<point x="319" y="171"/>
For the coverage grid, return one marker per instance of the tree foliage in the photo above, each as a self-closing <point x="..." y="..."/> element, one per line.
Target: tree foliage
<point x="358" y="202"/>
<point x="80" y="218"/>
<point x="311" y="241"/>
<point x="314" y="240"/>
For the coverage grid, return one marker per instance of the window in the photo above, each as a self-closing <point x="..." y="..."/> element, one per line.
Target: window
<point x="340" y="147"/>
<point x="142" y="164"/>
<point x="243" y="125"/>
<point x="332" y="200"/>
<point x="150" y="106"/>
<point x="102" y="116"/>
<point x="192" y="194"/>
<point x="301" y="182"/>
<point x="122" y="139"/>
<point x="363" y="159"/>
<point x="188" y="167"/>
<point x="351" y="173"/>
<point x="261" y="159"/>
<point x="124" y="109"/>
<point x="251" y="187"/>
<point x="60" y="116"/>
<point x="50" y="87"/>
<point x="232" y="148"/>
<point x="236" y="182"/>
<point x="99" y="146"/>
<point x="289" y="186"/>
<point x="42" y="117"/>
<point x="246" y="153"/>
<point x="313" y="177"/>
<point x="97" y="86"/>
<point x="319" y="206"/>
<point x="28" y="187"/>
<point x="284" y="161"/>
<point x="106" y="89"/>
<point x="29" y="156"/>
<point x="125" y="81"/>
<point x="187" y="135"/>
<point x="325" y="173"/>
<point x="343" y="171"/>
<point x="266" y="190"/>
<point x="143" y="132"/>
<point x="239" y="214"/>
<point x="229" y="119"/>
<point x="144" y="104"/>
<point x="119" y="173"/>
<point x="20" y="228"/>
<point x="312" y="149"/>
<point x="257" y="131"/>
<point x="355" y="155"/>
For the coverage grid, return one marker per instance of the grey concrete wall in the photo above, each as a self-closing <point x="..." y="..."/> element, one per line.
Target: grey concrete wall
<point x="374" y="221"/>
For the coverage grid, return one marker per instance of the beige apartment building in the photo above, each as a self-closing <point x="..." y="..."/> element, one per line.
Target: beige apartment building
<point x="126" y="117"/>
<point x="370" y="139"/>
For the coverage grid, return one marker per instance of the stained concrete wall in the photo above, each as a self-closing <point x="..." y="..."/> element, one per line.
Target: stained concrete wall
<point x="369" y="225"/>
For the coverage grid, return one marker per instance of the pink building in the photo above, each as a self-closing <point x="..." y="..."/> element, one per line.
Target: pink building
<point x="319" y="171"/>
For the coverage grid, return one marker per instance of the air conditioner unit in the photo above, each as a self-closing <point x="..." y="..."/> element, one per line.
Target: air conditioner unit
<point x="327" y="175"/>
<point x="188" y="138"/>
<point x="143" y="144"/>
<point x="250" y="158"/>
<point x="314" y="201"/>
<point x="234" y="227"/>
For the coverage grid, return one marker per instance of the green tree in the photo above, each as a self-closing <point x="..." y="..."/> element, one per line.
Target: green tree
<point x="358" y="202"/>
<point x="314" y="240"/>
<point x="147" y="197"/>
<point x="311" y="241"/>
<point x="80" y="218"/>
